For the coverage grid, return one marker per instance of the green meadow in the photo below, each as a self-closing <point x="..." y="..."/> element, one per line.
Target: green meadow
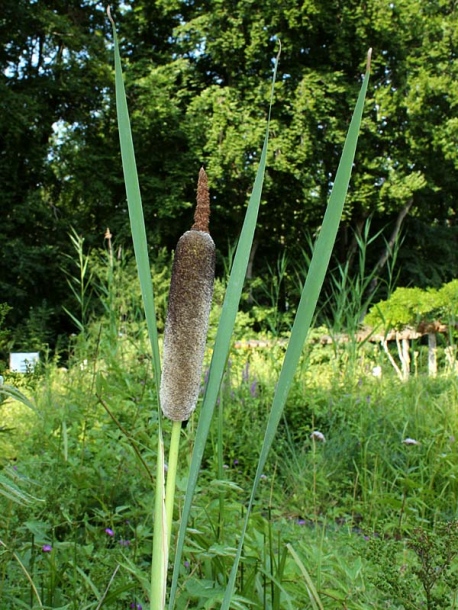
<point x="362" y="515"/>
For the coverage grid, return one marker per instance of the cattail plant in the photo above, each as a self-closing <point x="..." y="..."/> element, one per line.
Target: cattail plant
<point x="186" y="330"/>
<point x="186" y="325"/>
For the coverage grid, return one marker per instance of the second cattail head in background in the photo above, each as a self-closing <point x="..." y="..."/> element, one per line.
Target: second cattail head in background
<point x="186" y="326"/>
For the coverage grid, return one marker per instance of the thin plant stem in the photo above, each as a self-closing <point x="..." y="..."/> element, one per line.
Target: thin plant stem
<point x="220" y="464"/>
<point x="28" y="576"/>
<point x="160" y="556"/>
<point x="315" y="508"/>
<point x="171" y="476"/>
<point x="102" y="599"/>
<point x="127" y="435"/>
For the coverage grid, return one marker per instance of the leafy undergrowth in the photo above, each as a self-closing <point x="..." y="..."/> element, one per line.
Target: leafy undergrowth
<point x="360" y="515"/>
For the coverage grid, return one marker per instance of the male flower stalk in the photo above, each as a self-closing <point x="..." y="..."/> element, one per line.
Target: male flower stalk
<point x="186" y="326"/>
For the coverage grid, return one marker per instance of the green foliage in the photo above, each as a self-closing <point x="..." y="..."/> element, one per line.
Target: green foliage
<point x="353" y="287"/>
<point x="412" y="306"/>
<point x="419" y="571"/>
<point x="365" y="467"/>
<point x="80" y="474"/>
<point x="448" y="299"/>
<point x="197" y="81"/>
<point x="405" y="307"/>
<point x="326" y="494"/>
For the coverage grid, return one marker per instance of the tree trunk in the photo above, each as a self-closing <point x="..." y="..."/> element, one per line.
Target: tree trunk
<point x="389" y="246"/>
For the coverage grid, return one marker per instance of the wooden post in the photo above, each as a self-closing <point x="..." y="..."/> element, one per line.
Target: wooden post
<point x="432" y="354"/>
<point x="406" y="358"/>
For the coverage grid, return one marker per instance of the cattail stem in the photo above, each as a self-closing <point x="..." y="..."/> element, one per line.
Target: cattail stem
<point x="160" y="556"/>
<point x="171" y="477"/>
<point x="191" y="289"/>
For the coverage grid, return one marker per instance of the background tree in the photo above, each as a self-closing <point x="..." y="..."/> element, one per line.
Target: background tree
<point x="198" y="81"/>
<point x="55" y="77"/>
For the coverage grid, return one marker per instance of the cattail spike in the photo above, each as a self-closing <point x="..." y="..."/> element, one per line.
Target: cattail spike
<point x="186" y="326"/>
<point x="202" y="213"/>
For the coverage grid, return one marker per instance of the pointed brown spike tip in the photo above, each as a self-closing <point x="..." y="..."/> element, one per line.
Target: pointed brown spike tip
<point x="202" y="213"/>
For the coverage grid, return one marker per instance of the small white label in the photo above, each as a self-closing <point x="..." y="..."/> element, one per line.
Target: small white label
<point x="23" y="362"/>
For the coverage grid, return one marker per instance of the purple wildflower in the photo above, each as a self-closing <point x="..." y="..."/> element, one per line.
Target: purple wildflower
<point x="124" y="542"/>
<point x="46" y="548"/>
<point x="109" y="531"/>
<point x="254" y="389"/>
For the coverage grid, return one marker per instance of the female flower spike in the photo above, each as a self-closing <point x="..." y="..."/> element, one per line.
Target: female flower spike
<point x="186" y="326"/>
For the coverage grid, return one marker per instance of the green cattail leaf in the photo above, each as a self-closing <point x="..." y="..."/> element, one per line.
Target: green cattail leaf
<point x="311" y="589"/>
<point x="310" y="293"/>
<point x="160" y="557"/>
<point x="137" y="222"/>
<point x="134" y="202"/>
<point x="222" y="344"/>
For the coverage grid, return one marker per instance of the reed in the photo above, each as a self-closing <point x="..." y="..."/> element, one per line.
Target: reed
<point x="187" y="325"/>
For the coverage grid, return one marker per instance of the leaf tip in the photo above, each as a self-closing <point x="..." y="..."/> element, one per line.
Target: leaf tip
<point x="368" y="62"/>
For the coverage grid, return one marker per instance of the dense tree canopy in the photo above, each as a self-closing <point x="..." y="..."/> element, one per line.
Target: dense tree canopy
<point x="198" y="81"/>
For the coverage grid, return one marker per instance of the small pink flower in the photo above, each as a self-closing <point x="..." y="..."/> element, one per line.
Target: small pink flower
<point x="109" y="531"/>
<point x="46" y="548"/>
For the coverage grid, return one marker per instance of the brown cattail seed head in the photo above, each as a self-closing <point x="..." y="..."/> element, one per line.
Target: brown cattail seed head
<point x="186" y="326"/>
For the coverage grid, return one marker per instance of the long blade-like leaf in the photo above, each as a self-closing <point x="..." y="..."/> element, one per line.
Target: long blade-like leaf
<point x="310" y="293"/>
<point x="134" y="202"/>
<point x="11" y="392"/>
<point x="222" y="343"/>
<point x="311" y="589"/>
<point x="160" y="554"/>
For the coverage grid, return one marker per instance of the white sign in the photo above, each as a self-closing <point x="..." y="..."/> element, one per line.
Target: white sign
<point x="23" y="362"/>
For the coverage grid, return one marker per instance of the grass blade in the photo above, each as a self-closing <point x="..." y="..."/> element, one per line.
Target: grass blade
<point x="311" y="589"/>
<point x="27" y="575"/>
<point x="310" y="293"/>
<point x="222" y="343"/>
<point x="134" y="202"/>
